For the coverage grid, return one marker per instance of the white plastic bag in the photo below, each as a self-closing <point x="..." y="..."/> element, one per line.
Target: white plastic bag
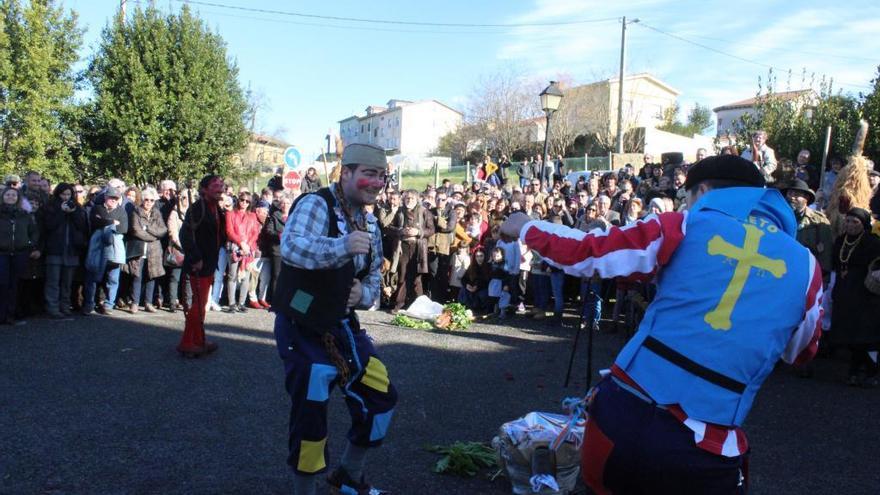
<point x="423" y="308"/>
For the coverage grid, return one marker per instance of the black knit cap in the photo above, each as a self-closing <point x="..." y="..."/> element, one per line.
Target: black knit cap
<point x="724" y="167"/>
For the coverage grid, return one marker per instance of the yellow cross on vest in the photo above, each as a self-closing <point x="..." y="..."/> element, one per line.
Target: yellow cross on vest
<point x="746" y="257"/>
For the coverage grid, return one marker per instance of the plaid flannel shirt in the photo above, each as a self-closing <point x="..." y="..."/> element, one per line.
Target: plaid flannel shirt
<point x="304" y="244"/>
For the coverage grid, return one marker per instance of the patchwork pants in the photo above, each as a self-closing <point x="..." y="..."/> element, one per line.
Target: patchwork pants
<point x="311" y="376"/>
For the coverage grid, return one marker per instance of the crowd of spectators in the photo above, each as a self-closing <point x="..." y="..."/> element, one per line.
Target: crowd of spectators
<point x="68" y="248"/>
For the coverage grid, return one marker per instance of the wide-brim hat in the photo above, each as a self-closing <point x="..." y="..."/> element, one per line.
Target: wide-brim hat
<point x="724" y="167"/>
<point x="799" y="185"/>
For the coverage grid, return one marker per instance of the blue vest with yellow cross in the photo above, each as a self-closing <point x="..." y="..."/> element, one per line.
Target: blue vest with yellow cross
<point x="726" y="306"/>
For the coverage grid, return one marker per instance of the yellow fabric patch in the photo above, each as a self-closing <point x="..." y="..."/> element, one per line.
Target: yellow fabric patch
<point x="311" y="456"/>
<point x="376" y="376"/>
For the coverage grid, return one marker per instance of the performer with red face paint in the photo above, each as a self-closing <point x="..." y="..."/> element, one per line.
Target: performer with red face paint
<point x="331" y="252"/>
<point x="202" y="234"/>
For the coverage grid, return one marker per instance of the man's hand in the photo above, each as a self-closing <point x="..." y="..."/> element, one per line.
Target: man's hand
<point x="514" y="224"/>
<point x="411" y="232"/>
<point x="354" y="298"/>
<point x="358" y="243"/>
<point x="196" y="267"/>
<point x="245" y="249"/>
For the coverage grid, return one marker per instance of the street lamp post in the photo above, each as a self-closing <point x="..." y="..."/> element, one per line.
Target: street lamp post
<point x="550" y="99"/>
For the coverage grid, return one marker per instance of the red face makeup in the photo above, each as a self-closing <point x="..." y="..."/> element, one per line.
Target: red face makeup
<point x="370" y="183"/>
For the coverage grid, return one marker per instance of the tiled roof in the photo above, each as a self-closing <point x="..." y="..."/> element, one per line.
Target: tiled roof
<point x="750" y="102"/>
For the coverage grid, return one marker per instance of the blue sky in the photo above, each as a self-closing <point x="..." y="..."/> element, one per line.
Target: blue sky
<point x="314" y="72"/>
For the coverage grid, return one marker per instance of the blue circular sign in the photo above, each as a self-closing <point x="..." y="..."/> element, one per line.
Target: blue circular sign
<point x="292" y="157"/>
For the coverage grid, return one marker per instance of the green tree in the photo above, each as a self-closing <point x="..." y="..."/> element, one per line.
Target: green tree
<point x="799" y="121"/>
<point x="871" y="113"/>
<point x="38" y="44"/>
<point x="699" y="120"/>
<point x="167" y="103"/>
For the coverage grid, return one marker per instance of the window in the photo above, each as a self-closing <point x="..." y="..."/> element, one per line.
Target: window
<point x="375" y="132"/>
<point x="362" y="127"/>
<point x="369" y="125"/>
<point x="720" y="121"/>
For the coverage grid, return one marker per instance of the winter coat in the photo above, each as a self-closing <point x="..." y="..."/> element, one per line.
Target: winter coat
<point x="270" y="235"/>
<point x="202" y="234"/>
<point x="146" y="230"/>
<point x="64" y="233"/>
<point x="814" y="233"/>
<point x="423" y="221"/>
<point x="18" y="231"/>
<point x="855" y="312"/>
<point x="444" y="225"/>
<point x="100" y="218"/>
<point x="242" y="227"/>
<point x="311" y="185"/>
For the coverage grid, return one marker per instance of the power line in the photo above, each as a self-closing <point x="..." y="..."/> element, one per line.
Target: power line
<point x="737" y="57"/>
<point x="340" y="26"/>
<point x="393" y="21"/>
<point x="789" y="50"/>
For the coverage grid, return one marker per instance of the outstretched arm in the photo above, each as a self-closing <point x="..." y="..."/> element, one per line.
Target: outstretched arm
<point x="635" y="251"/>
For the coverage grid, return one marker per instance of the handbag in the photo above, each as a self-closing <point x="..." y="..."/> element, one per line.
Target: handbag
<point x="872" y="278"/>
<point x="173" y="257"/>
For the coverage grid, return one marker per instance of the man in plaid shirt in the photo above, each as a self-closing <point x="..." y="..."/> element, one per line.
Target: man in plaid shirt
<point x="332" y="254"/>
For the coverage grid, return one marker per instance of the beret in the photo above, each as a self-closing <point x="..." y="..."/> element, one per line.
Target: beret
<point x="724" y="167"/>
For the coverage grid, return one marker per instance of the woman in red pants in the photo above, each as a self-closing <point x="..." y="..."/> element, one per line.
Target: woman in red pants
<point x="202" y="234"/>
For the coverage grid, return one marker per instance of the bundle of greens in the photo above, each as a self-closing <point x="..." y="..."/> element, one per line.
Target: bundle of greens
<point x="463" y="458"/>
<point x="454" y="317"/>
<point x="407" y="322"/>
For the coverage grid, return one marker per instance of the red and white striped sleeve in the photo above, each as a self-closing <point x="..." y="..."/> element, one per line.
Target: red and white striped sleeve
<point x="804" y="341"/>
<point x="635" y="251"/>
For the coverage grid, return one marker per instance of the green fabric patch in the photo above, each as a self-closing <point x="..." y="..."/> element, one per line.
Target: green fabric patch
<point x="301" y="301"/>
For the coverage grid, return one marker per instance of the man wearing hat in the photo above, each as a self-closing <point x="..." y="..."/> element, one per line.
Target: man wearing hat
<point x="735" y="293"/>
<point x="110" y="212"/>
<point x="331" y="251"/>
<point x="814" y="229"/>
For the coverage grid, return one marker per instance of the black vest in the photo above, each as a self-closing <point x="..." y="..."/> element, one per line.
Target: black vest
<point x="317" y="300"/>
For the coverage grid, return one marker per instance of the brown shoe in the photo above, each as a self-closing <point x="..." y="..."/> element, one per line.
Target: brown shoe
<point x="133" y="308"/>
<point x="149" y="308"/>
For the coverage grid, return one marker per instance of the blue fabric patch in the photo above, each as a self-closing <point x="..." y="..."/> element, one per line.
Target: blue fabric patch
<point x="347" y="490"/>
<point x="380" y="425"/>
<point x="320" y="378"/>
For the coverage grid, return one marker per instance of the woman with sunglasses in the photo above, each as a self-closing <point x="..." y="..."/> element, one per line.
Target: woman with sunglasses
<point x="144" y="249"/>
<point x="242" y="230"/>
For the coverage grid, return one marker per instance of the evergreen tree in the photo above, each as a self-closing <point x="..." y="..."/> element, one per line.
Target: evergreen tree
<point x="167" y="100"/>
<point x="38" y="44"/>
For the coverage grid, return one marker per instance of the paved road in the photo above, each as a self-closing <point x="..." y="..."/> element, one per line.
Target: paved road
<point x="104" y="405"/>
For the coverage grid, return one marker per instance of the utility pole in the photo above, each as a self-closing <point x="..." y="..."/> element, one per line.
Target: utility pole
<point x="122" y="10"/>
<point x="620" y="83"/>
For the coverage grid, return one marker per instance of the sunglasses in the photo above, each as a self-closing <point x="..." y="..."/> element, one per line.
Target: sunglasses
<point x="80" y="191"/>
<point x="151" y="200"/>
<point x="243" y="200"/>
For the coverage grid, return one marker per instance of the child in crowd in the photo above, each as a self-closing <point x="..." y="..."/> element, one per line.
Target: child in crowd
<point x="499" y="290"/>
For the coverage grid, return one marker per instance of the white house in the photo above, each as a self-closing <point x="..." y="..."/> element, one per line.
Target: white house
<point x="728" y="115"/>
<point x="402" y="127"/>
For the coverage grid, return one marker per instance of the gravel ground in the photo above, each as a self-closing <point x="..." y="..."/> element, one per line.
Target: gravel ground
<point x="104" y="405"/>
